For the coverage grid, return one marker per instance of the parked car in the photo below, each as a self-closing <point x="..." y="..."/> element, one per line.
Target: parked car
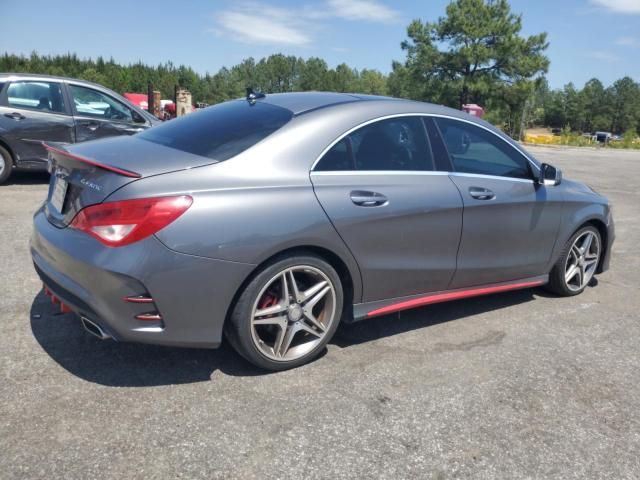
<point x="603" y="137"/>
<point x="272" y="219"/>
<point x="37" y="108"/>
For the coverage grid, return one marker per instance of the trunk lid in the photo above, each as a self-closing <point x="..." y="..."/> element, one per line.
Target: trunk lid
<point x="87" y="173"/>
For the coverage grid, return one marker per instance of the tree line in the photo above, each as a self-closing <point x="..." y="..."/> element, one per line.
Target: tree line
<point x="274" y="74"/>
<point x="475" y="53"/>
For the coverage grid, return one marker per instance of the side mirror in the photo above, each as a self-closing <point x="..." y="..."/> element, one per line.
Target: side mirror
<point x="549" y="175"/>
<point x="137" y="118"/>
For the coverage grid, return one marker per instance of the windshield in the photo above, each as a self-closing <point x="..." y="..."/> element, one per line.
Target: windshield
<point x="222" y="131"/>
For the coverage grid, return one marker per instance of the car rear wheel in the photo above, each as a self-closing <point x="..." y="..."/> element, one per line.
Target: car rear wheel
<point x="578" y="263"/>
<point x="287" y="313"/>
<point x="6" y="165"/>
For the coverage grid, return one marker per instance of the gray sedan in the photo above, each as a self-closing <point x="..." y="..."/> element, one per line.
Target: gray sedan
<point x="271" y="219"/>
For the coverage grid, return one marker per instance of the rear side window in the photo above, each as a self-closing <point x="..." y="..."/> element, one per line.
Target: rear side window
<point x="474" y="150"/>
<point x="222" y="131"/>
<point x="389" y="145"/>
<point x="32" y="95"/>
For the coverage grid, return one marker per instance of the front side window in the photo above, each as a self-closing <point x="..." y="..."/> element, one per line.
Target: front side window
<point x="32" y="95"/>
<point x="474" y="150"/>
<point x="392" y="144"/>
<point x="91" y="103"/>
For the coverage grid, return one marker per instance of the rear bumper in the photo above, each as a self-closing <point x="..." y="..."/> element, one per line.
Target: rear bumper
<point x="190" y="293"/>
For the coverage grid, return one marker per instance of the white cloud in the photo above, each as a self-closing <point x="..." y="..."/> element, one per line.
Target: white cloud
<point x="261" y="23"/>
<point x="251" y="23"/>
<point x="628" y="42"/>
<point x="619" y="6"/>
<point x="368" y="10"/>
<point x="602" y="56"/>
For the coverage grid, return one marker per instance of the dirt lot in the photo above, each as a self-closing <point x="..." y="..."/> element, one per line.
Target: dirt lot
<point x="517" y="385"/>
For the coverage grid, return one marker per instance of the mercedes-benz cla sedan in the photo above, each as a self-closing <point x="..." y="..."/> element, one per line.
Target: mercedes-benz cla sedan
<point x="271" y="219"/>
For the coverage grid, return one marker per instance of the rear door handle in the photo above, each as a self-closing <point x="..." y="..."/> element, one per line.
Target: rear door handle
<point x="480" y="193"/>
<point x="368" y="199"/>
<point x="15" y="116"/>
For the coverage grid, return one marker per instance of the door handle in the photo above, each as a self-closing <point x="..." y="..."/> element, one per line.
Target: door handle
<point x="480" y="193"/>
<point x="15" y="116"/>
<point x="132" y="130"/>
<point x="368" y="199"/>
<point x="93" y="126"/>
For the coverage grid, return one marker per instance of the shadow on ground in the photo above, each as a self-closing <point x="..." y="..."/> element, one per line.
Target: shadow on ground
<point x="134" y="365"/>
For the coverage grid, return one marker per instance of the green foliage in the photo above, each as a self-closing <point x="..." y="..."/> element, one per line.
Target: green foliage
<point x="273" y="74"/>
<point x="615" y="109"/>
<point x="473" y="54"/>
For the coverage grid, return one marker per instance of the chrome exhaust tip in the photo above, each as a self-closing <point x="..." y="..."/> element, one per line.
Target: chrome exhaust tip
<point x="94" y="329"/>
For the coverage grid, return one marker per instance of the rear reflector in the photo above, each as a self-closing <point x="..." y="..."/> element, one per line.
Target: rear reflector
<point x="64" y="308"/>
<point x="116" y="224"/>
<point x="149" y="317"/>
<point x="139" y="299"/>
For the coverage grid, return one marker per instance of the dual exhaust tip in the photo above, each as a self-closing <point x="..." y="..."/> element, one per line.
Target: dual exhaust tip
<point x="94" y="329"/>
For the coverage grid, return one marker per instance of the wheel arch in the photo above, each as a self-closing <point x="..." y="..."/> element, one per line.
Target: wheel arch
<point x="599" y="225"/>
<point x="6" y="146"/>
<point x="351" y="285"/>
<point x="604" y="238"/>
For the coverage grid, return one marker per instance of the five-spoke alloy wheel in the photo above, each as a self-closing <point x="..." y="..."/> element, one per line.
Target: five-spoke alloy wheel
<point x="287" y="313"/>
<point x="578" y="263"/>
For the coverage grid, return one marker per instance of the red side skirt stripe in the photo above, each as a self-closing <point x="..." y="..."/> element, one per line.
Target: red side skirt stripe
<point x="445" y="297"/>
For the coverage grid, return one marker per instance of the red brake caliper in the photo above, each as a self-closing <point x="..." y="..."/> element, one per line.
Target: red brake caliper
<point x="267" y="300"/>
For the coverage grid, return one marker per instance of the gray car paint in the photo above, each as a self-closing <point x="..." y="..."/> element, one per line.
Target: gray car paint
<point x="266" y="200"/>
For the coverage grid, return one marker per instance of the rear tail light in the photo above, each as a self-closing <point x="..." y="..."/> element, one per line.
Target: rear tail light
<point x="116" y="224"/>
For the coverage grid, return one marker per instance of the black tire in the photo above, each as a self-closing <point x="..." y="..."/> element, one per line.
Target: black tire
<point x="239" y="328"/>
<point x="6" y="165"/>
<point x="557" y="283"/>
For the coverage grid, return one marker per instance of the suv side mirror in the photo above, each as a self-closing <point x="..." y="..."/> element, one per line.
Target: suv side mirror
<point x="137" y="118"/>
<point x="549" y="175"/>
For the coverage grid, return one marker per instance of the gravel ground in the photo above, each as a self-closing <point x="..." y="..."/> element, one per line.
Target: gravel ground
<point x="516" y="385"/>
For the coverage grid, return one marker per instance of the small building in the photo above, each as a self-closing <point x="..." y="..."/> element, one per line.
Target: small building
<point x="473" y="109"/>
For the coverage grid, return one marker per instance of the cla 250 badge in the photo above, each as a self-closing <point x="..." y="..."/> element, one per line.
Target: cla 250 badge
<point x="90" y="184"/>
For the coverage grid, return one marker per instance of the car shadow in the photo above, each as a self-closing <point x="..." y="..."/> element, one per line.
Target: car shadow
<point x="116" y="364"/>
<point x="27" y="178"/>
<point x="408" y="320"/>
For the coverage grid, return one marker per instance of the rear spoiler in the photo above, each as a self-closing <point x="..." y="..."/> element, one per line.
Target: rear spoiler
<point x="61" y="151"/>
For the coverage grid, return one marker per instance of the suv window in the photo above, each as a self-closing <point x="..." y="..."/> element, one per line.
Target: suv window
<point x="222" y="131"/>
<point x="474" y="150"/>
<point x="392" y="144"/>
<point x="91" y="103"/>
<point x="35" y="95"/>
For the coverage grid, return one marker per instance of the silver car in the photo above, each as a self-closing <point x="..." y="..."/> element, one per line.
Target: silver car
<point x="271" y="219"/>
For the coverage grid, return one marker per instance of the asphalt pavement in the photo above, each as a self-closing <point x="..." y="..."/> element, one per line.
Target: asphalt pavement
<point x="515" y="385"/>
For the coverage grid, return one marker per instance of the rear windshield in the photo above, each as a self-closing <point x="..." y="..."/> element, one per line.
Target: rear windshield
<point x="222" y="131"/>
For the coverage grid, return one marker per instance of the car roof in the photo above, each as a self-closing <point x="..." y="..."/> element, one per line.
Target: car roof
<point x="9" y="76"/>
<point x="300" y="103"/>
<point x="304" y="102"/>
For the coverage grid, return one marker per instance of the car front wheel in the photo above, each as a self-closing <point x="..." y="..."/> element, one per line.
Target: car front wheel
<point x="287" y="313"/>
<point x="578" y="263"/>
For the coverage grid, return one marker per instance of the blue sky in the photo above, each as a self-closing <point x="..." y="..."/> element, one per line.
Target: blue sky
<point x="589" y="38"/>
